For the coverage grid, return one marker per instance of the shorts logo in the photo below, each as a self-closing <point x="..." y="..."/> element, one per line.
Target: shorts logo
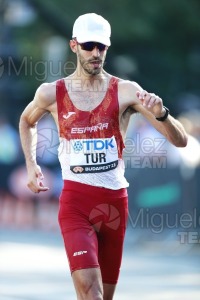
<point x="79" y="253"/>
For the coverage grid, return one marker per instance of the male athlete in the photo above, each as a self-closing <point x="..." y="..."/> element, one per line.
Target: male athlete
<point x="92" y="110"/>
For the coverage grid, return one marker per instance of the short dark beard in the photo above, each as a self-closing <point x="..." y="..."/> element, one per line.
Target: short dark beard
<point x="85" y="65"/>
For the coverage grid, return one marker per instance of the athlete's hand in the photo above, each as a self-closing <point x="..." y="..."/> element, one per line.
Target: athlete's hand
<point x="152" y="103"/>
<point x="35" y="178"/>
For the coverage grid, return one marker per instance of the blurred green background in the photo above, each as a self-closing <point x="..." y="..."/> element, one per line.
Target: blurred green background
<point x="154" y="42"/>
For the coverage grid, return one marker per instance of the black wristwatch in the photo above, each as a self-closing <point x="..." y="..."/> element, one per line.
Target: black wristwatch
<point x="161" y="119"/>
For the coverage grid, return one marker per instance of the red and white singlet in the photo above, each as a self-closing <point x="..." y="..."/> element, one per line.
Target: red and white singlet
<point x="91" y="144"/>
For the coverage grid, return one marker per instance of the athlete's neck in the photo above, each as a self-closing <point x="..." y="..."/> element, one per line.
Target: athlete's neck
<point x="83" y="76"/>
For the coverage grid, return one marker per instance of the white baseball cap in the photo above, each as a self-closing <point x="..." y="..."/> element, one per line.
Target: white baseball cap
<point x="92" y="28"/>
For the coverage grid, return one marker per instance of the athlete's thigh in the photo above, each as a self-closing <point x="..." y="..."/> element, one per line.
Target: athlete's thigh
<point x="111" y="240"/>
<point x="81" y="246"/>
<point x="81" y="249"/>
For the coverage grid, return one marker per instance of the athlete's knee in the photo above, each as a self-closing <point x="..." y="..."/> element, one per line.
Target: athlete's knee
<point x="88" y="285"/>
<point x="89" y="290"/>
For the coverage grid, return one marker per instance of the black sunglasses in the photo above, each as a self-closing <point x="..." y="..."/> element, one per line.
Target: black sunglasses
<point x="89" y="46"/>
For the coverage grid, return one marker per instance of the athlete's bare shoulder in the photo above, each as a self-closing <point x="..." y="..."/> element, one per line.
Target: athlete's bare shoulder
<point x="45" y="95"/>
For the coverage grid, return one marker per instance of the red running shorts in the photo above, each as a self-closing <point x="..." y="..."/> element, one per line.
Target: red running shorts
<point x="93" y="222"/>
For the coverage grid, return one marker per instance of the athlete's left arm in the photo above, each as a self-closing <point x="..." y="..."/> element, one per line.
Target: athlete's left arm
<point x="151" y="107"/>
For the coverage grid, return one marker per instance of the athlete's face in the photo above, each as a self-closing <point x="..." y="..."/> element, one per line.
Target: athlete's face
<point x="91" y="61"/>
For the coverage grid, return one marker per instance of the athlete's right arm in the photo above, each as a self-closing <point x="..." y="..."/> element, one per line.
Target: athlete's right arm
<point x="35" y="110"/>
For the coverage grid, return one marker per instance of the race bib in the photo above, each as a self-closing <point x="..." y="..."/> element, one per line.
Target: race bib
<point x="93" y="155"/>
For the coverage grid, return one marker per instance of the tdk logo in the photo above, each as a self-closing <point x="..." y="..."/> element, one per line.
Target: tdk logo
<point x="98" y="144"/>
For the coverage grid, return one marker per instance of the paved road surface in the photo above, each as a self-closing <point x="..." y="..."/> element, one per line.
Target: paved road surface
<point x="33" y="266"/>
